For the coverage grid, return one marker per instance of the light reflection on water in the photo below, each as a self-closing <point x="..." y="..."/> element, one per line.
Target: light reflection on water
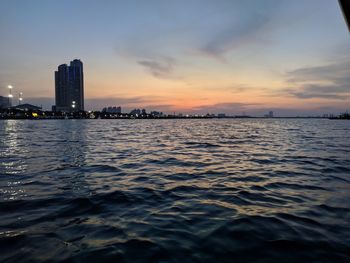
<point x="166" y="188"/>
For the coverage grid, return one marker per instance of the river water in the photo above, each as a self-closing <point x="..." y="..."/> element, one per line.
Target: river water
<point x="217" y="190"/>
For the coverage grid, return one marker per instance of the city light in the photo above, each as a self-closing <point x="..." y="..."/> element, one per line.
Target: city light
<point x="10" y="92"/>
<point x="20" y="98"/>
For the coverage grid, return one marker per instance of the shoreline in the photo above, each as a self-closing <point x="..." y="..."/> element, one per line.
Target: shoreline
<point x="166" y="118"/>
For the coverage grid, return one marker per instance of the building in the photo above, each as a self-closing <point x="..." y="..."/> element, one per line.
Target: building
<point x="27" y="107"/>
<point x="269" y="115"/>
<point x="5" y="102"/>
<point x="61" y="88"/>
<point x="116" y="110"/>
<point x="156" y="114"/>
<point x="76" y="83"/>
<point x="135" y="112"/>
<point x="69" y="87"/>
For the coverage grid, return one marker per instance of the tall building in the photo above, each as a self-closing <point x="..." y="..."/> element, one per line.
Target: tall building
<point x="69" y="87"/>
<point x="76" y="83"/>
<point x="5" y="102"/>
<point x="61" y="88"/>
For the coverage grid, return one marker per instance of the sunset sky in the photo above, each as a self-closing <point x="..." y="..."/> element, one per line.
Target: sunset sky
<point x="191" y="56"/>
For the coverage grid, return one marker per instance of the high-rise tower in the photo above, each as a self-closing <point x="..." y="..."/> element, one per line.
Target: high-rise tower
<point x="61" y="88"/>
<point x="76" y="84"/>
<point x="69" y="87"/>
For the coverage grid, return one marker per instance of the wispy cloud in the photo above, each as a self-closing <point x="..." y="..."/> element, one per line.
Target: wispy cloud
<point x="234" y="37"/>
<point x="330" y="81"/>
<point x="161" y="67"/>
<point x="228" y="107"/>
<point x="166" y="108"/>
<point x="336" y="73"/>
<point x="307" y="93"/>
<point x="248" y="26"/>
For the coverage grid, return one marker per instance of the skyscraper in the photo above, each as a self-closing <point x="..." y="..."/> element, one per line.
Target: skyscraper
<point x="69" y="87"/>
<point x="76" y="84"/>
<point x="5" y="102"/>
<point x="61" y="88"/>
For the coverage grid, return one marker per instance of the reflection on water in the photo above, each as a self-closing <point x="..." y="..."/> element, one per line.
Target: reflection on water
<point x="175" y="190"/>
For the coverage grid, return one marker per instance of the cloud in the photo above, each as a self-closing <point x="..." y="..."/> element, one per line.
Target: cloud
<point x="228" y="107"/>
<point x="330" y="81"/>
<point x="152" y="59"/>
<point x="248" y="25"/>
<point x="238" y="88"/>
<point x="234" y="37"/>
<point x="161" y="67"/>
<point x="169" y="108"/>
<point x="305" y="93"/>
<point x="336" y="73"/>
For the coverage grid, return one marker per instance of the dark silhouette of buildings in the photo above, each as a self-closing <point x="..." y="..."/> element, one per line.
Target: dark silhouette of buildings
<point x="269" y="115"/>
<point x="135" y="112"/>
<point x="115" y="110"/>
<point x="5" y="102"/>
<point x="61" y="88"/>
<point x="69" y="87"/>
<point x="157" y="113"/>
<point x="27" y="107"/>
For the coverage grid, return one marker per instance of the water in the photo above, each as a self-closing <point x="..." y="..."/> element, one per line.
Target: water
<point x="175" y="190"/>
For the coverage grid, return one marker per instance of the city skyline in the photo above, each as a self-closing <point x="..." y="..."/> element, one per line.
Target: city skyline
<point x="291" y="57"/>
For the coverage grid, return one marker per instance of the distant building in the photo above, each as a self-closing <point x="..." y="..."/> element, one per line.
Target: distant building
<point x="221" y="115"/>
<point x="5" y="102"/>
<point x="26" y="107"/>
<point x="135" y="112"/>
<point x="69" y="87"/>
<point x="156" y="114"/>
<point x="269" y="115"/>
<point x="115" y="110"/>
<point x="61" y="89"/>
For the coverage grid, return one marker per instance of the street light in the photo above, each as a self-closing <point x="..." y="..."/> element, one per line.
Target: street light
<point x="10" y="94"/>
<point x="20" y="98"/>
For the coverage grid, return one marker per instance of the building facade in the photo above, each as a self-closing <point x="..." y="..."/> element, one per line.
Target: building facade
<point x="69" y="87"/>
<point x="5" y="102"/>
<point x="115" y="110"/>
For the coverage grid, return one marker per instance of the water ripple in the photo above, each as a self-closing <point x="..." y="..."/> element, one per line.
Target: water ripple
<point x="174" y="191"/>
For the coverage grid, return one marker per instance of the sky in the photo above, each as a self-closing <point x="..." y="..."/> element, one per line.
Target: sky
<point x="189" y="56"/>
